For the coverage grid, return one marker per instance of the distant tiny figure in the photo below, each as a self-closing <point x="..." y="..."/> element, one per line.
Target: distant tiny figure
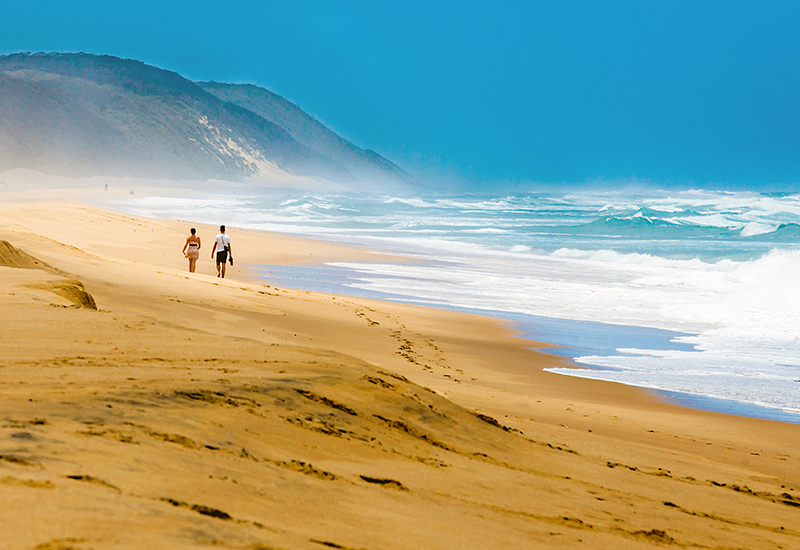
<point x="191" y="249"/>
<point x="222" y="248"/>
<point x="106" y="187"/>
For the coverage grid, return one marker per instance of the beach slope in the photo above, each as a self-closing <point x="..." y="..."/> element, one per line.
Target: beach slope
<point x="146" y="407"/>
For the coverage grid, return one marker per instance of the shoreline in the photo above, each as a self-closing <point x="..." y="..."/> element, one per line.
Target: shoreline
<point x="230" y="410"/>
<point x="735" y="327"/>
<point x="326" y="251"/>
<point x="559" y="337"/>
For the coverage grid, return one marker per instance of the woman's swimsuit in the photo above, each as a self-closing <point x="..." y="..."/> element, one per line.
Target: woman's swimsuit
<point x="194" y="251"/>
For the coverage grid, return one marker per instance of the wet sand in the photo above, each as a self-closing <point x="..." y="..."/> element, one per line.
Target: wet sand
<point x="146" y="407"/>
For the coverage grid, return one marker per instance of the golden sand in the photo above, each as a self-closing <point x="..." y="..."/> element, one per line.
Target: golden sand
<point x="146" y="407"/>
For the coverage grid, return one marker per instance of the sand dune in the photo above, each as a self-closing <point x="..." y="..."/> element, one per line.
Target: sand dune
<point x="186" y="411"/>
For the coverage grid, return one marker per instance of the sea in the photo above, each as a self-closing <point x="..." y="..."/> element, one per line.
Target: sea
<point x="692" y="294"/>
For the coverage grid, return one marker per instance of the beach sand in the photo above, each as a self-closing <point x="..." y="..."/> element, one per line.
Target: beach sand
<point x="146" y="407"/>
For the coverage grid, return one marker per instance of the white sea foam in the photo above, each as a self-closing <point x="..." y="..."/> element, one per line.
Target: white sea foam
<point x="485" y="230"/>
<point x="757" y="228"/>
<point x="746" y="315"/>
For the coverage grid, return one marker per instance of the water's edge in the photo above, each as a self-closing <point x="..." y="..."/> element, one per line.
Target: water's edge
<point x="572" y="338"/>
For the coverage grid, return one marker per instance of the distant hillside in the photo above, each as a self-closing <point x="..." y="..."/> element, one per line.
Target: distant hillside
<point x="302" y="127"/>
<point x="85" y="115"/>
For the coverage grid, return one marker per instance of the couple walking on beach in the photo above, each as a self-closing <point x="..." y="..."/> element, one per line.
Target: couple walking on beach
<point x="222" y="248"/>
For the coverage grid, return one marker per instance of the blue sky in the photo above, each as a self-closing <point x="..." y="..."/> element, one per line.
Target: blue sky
<point x="489" y="93"/>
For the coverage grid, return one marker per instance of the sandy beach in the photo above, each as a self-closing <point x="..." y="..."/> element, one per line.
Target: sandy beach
<point x="146" y="407"/>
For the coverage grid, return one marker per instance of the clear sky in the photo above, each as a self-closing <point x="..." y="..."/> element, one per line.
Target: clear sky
<point x="487" y="93"/>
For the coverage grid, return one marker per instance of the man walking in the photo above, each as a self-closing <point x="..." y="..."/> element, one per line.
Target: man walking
<point x="222" y="248"/>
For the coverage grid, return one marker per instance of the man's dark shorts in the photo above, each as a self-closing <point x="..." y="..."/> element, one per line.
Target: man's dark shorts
<point x="222" y="256"/>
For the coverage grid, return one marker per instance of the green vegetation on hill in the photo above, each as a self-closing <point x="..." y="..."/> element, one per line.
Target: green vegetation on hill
<point x="84" y="115"/>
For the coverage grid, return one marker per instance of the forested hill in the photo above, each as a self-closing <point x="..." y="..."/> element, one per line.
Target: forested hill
<point x="84" y="115"/>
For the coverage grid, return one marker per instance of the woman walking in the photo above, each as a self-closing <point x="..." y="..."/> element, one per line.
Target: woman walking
<point x="193" y="252"/>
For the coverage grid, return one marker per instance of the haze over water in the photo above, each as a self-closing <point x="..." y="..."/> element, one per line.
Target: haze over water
<point x="717" y="269"/>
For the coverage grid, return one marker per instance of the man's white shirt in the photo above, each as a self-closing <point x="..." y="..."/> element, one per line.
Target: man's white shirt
<point x="222" y="240"/>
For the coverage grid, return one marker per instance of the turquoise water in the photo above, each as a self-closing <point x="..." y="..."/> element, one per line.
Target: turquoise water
<point x="693" y="292"/>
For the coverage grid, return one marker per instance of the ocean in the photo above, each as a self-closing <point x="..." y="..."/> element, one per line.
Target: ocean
<point x="693" y="294"/>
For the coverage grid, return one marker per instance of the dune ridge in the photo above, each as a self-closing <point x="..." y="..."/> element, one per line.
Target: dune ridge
<point x="13" y="257"/>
